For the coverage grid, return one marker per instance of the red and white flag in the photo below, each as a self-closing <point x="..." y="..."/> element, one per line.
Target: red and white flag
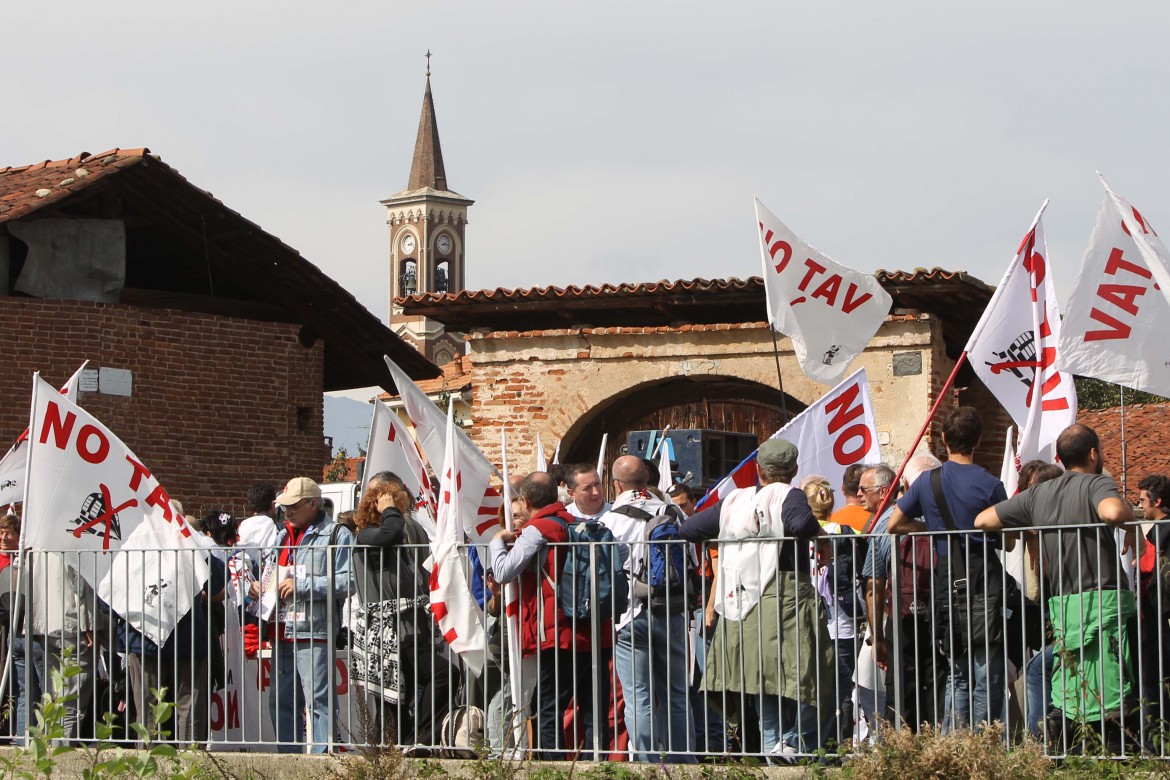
<point x="459" y="618"/>
<point x="828" y="311"/>
<point x="12" y="464"/>
<point x="1014" y="349"/>
<point x="87" y="491"/>
<point x="392" y="448"/>
<point x="1119" y="310"/>
<point x="830" y="436"/>
<point x="481" y="501"/>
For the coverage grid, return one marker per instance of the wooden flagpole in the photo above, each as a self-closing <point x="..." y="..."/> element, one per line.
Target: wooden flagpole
<point x="779" y="376"/>
<point x="1124" y="465"/>
<point x="922" y="432"/>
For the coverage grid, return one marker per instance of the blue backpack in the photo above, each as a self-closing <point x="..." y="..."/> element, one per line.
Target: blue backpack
<point x="578" y="578"/>
<point x="666" y="578"/>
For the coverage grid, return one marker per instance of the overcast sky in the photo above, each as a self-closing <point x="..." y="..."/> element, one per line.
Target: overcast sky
<point x="621" y="141"/>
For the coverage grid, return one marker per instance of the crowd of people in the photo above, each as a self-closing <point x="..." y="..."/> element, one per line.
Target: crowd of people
<point x="771" y="622"/>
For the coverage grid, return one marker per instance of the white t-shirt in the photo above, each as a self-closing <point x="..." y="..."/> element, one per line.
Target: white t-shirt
<point x="257" y="531"/>
<point x="575" y="512"/>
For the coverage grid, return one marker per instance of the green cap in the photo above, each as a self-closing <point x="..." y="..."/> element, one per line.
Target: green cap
<point x="777" y="454"/>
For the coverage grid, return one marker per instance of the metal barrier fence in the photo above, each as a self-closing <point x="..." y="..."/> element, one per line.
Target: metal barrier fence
<point x="772" y="653"/>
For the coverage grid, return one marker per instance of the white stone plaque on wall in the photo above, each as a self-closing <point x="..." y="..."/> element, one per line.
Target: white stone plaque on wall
<point x="114" y="381"/>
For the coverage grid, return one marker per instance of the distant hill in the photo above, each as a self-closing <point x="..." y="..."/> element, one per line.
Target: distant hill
<point x="348" y="422"/>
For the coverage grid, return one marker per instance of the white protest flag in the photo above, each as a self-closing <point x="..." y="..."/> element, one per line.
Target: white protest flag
<point x="392" y="448"/>
<point x="481" y="501"/>
<point x="1119" y="312"/>
<point x="828" y="311"/>
<point x="665" y="478"/>
<point x="601" y="458"/>
<point x="1014" y="349"/>
<point x="87" y="491"/>
<point x="1009" y="467"/>
<point x="12" y="464"/>
<point x="459" y="618"/>
<point x="521" y="671"/>
<point x="830" y="436"/>
<point x="541" y="461"/>
<point x="1009" y="475"/>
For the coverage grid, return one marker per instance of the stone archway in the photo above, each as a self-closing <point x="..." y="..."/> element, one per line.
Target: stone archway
<point x="722" y="403"/>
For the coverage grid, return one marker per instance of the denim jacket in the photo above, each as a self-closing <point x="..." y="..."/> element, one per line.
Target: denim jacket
<point x="314" y="610"/>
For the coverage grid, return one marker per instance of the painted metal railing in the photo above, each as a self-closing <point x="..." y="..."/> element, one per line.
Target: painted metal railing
<point x="1062" y="638"/>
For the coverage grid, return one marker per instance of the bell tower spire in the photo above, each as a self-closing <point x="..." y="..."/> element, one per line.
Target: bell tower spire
<point x="428" y="223"/>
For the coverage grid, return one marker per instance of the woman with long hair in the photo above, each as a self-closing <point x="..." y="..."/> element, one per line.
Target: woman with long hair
<point x="393" y="641"/>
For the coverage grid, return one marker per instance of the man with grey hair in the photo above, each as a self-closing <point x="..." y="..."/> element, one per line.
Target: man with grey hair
<point x="873" y="487"/>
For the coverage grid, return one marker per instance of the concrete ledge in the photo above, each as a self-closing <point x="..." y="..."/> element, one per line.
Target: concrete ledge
<point x="355" y="766"/>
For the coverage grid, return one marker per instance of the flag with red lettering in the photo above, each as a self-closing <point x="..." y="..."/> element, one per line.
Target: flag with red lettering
<point x="459" y="618"/>
<point x="481" y="501"/>
<point x="392" y="448"/>
<point x="88" y="492"/>
<point x="828" y="311"/>
<point x="1119" y="312"/>
<point x="830" y="436"/>
<point x="12" y="464"/>
<point x="1014" y="349"/>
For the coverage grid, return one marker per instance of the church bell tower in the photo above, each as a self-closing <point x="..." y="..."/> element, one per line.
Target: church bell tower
<point x="428" y="224"/>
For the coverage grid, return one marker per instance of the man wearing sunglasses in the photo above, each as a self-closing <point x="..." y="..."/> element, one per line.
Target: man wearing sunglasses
<point x="309" y="570"/>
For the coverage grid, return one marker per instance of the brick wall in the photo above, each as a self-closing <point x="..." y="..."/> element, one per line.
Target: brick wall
<point x="554" y="381"/>
<point x="218" y="403"/>
<point x="995" y="418"/>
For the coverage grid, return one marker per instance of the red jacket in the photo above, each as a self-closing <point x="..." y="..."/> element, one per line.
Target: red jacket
<point x="543" y="624"/>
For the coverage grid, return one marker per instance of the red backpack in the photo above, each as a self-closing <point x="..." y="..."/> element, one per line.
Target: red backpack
<point x="916" y="558"/>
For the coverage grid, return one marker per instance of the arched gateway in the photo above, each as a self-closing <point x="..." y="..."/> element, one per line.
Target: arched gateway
<point x="711" y="402"/>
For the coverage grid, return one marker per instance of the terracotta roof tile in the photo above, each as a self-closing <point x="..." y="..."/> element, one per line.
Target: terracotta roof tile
<point x="501" y="294"/>
<point x="955" y="297"/>
<point x="1145" y="441"/>
<point x="22" y="189"/>
<point x="351" y="470"/>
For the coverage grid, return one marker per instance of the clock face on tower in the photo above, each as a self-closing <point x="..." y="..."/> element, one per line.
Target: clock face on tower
<point x="443" y="244"/>
<point x="408" y="244"/>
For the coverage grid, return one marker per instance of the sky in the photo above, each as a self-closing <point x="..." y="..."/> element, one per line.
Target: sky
<point x="621" y="141"/>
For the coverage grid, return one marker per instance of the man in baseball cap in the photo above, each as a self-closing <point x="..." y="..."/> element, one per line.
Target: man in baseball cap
<point x="297" y="490"/>
<point x="306" y="618"/>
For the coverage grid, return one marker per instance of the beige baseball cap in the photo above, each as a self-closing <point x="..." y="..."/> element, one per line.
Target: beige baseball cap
<point x="298" y="489"/>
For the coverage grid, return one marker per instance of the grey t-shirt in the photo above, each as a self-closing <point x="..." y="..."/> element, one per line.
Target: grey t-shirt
<point x="1075" y="560"/>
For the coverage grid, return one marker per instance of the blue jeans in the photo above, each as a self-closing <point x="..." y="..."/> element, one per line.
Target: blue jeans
<point x="710" y="730"/>
<point x="302" y="675"/>
<point x="563" y="675"/>
<point x="651" y="660"/>
<point x="974" y="691"/>
<point x="1038" y="672"/>
<point x="25" y="699"/>
<point x="837" y="723"/>
<point x="783" y="721"/>
<point x="47" y="654"/>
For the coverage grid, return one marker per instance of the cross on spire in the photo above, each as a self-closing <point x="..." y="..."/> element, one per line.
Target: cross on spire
<point x="428" y="63"/>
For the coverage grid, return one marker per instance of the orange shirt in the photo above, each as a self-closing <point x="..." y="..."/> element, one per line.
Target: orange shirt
<point x="853" y="516"/>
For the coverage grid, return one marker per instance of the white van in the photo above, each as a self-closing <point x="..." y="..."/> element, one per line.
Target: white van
<point x="337" y="497"/>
